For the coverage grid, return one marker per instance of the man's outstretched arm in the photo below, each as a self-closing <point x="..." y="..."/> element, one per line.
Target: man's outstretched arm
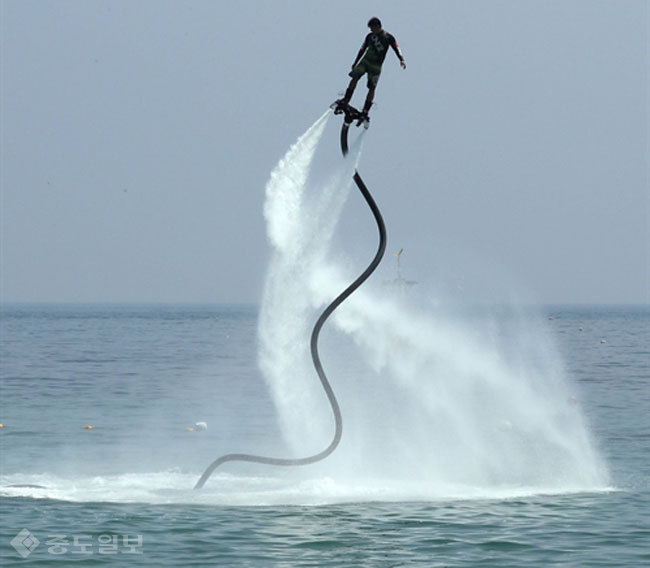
<point x="397" y="51"/>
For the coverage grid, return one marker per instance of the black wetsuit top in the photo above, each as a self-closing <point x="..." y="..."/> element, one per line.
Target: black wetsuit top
<point x="376" y="46"/>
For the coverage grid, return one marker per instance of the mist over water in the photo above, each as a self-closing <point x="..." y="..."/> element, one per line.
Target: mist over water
<point x="439" y="400"/>
<point x="435" y="401"/>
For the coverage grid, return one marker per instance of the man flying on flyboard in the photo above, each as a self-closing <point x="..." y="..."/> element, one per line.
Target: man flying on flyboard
<point x="368" y="60"/>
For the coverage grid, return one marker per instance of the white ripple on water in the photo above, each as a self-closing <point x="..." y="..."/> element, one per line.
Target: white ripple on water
<point x="173" y="487"/>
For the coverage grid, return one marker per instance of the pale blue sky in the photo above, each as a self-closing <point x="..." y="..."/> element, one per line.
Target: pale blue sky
<point x="137" y="138"/>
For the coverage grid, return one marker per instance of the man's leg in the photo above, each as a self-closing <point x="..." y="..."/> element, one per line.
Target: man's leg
<point x="373" y="79"/>
<point x="369" y="98"/>
<point x="350" y="90"/>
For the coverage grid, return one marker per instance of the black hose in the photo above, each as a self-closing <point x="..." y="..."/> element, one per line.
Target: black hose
<point x="314" y="344"/>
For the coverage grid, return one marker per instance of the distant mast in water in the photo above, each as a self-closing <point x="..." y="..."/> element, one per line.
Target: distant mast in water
<point x="400" y="283"/>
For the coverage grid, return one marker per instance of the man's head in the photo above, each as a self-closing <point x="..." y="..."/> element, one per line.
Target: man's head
<point x="375" y="25"/>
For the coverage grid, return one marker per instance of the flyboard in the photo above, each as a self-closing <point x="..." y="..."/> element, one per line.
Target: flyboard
<point x="350" y="115"/>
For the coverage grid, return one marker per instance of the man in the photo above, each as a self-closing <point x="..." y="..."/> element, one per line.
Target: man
<point x="369" y="60"/>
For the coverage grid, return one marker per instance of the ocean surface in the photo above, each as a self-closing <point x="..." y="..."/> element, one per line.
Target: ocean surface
<point x="168" y="388"/>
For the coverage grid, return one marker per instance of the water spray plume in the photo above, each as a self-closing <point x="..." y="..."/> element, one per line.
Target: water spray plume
<point x="284" y="197"/>
<point x="438" y="402"/>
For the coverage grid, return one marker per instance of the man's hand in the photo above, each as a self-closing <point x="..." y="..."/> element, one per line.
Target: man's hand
<point x="403" y="64"/>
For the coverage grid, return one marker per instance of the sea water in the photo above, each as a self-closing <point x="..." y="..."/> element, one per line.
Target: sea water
<point x="141" y="375"/>
<point x="472" y="435"/>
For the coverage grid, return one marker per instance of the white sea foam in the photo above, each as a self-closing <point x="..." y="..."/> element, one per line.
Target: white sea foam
<point x="278" y="487"/>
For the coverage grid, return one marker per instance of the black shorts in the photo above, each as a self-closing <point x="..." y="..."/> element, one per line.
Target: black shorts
<point x="373" y="70"/>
